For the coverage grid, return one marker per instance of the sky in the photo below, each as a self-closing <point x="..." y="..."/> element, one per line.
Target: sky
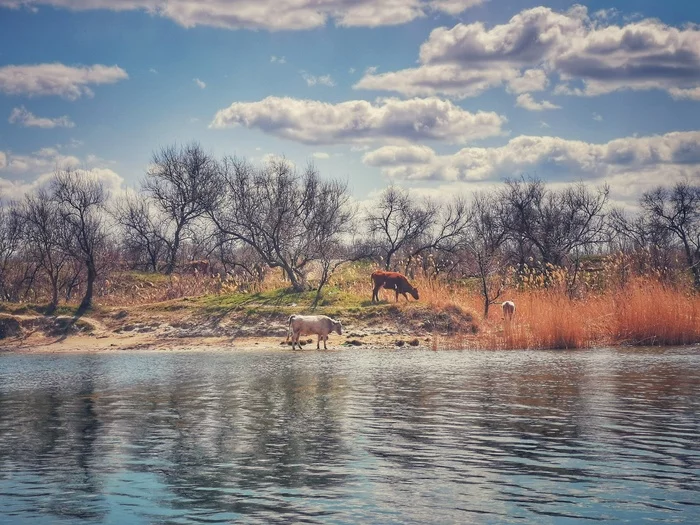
<point x="438" y="96"/>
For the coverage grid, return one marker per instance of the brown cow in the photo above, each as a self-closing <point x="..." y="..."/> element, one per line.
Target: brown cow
<point x="392" y="281"/>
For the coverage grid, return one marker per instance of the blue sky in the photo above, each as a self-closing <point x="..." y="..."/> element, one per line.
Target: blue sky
<point x="372" y="92"/>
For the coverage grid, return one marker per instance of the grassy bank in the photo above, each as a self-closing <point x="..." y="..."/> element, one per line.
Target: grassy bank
<point x="643" y="311"/>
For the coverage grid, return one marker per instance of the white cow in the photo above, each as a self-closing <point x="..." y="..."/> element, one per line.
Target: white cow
<point x="508" y="310"/>
<point x="320" y="325"/>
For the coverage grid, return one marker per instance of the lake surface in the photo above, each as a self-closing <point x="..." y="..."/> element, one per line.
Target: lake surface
<point x="351" y="436"/>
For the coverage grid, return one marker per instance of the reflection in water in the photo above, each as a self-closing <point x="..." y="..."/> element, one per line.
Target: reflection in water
<point x="390" y="437"/>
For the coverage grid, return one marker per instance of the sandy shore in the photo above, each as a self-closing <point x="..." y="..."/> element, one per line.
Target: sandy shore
<point x="35" y="333"/>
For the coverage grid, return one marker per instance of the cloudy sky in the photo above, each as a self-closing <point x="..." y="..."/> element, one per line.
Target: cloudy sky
<point x="436" y="95"/>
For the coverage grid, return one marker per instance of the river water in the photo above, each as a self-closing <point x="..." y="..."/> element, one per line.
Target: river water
<point x="351" y="436"/>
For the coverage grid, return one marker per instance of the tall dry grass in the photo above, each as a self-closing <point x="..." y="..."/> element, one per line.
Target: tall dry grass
<point x="643" y="312"/>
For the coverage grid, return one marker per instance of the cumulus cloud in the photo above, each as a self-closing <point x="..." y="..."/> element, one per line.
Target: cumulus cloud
<point x="446" y="79"/>
<point x="20" y="174"/>
<point x="357" y="121"/>
<point x="27" y="119"/>
<point x="278" y="60"/>
<point x="590" y="55"/>
<point x="527" y="102"/>
<point x="322" y="155"/>
<point x="69" y="82"/>
<point x="632" y="164"/>
<point x="200" y="84"/>
<point x="271" y="15"/>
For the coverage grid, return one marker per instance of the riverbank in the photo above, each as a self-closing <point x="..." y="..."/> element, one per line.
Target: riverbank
<point x="221" y="322"/>
<point x="643" y="312"/>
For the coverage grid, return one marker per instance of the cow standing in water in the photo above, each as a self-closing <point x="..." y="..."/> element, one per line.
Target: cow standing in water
<point x="392" y="281"/>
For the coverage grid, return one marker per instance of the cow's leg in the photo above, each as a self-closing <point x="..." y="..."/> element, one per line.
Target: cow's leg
<point x="295" y="340"/>
<point x="375" y="293"/>
<point x="318" y="342"/>
<point x="324" y="343"/>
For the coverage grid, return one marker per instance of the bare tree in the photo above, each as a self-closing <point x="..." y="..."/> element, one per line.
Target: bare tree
<point x="287" y="217"/>
<point x="10" y="243"/>
<point x="678" y="211"/>
<point x="556" y="223"/>
<point x="485" y="235"/>
<point x="183" y="185"/>
<point x="81" y="199"/>
<point x="399" y="222"/>
<point x="446" y="234"/>
<point x="142" y="231"/>
<point x="42" y="233"/>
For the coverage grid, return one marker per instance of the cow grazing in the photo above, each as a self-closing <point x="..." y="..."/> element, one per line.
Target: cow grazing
<point x="392" y="281"/>
<point x="508" y="310"/>
<point x="320" y="325"/>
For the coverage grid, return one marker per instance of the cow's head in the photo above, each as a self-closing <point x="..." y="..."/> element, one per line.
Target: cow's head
<point x="414" y="293"/>
<point x="338" y="327"/>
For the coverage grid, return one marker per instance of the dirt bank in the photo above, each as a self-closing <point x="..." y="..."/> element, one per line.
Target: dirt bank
<point x="188" y="324"/>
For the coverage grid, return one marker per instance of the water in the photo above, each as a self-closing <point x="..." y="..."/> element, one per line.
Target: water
<point x="351" y="437"/>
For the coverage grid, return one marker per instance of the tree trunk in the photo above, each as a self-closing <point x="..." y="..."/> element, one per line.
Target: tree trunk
<point x="91" y="276"/>
<point x="54" y="294"/>
<point x="173" y="251"/>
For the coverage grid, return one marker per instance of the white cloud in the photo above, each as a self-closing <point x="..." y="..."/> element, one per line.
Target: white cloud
<point x="323" y="80"/>
<point x="454" y="7"/>
<point x="70" y="82"/>
<point x="153" y="70"/>
<point x="200" y="84"/>
<point x="597" y="117"/>
<point x="26" y="119"/>
<point x="530" y="80"/>
<point x="692" y="93"/>
<point x="631" y="164"/>
<point x="278" y="60"/>
<point x="543" y="124"/>
<point x="351" y="70"/>
<point x="448" y="79"/>
<point x="271" y="15"/>
<point x="357" y="121"/>
<point x="588" y="56"/>
<point x="527" y="102"/>
<point x="29" y="172"/>
<point x="320" y="155"/>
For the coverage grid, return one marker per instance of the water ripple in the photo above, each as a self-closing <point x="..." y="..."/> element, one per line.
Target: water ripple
<point x="347" y="437"/>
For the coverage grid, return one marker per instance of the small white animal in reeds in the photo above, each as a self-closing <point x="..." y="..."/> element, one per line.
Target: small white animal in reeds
<point x="508" y="310"/>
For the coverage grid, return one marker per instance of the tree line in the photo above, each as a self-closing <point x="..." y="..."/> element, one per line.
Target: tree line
<point x="246" y="220"/>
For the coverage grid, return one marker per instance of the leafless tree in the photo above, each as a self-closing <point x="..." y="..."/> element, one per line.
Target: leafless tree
<point x="183" y="184"/>
<point x="142" y="231"/>
<point x="678" y="210"/>
<point x="289" y="218"/>
<point x="81" y="199"/>
<point x="42" y="234"/>
<point x="398" y="222"/>
<point x="485" y="236"/>
<point x="653" y="244"/>
<point x="10" y="244"/>
<point x="556" y="223"/>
